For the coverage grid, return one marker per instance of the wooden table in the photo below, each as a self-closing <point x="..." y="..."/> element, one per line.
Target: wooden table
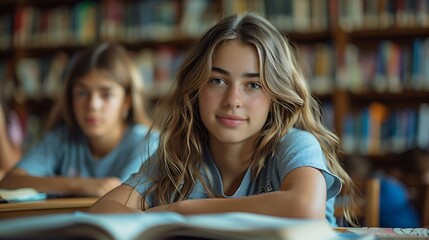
<point x="49" y="206"/>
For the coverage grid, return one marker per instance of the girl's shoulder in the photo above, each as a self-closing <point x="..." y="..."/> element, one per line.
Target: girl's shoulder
<point x="62" y="131"/>
<point x="61" y="135"/>
<point x="295" y="135"/>
<point x="140" y="131"/>
<point x="297" y="140"/>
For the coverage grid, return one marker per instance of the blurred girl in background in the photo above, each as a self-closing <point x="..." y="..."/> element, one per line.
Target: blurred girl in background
<point x="100" y="136"/>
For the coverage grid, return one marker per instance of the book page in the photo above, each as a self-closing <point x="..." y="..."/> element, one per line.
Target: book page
<point x="242" y="226"/>
<point x="110" y="226"/>
<point x="167" y="225"/>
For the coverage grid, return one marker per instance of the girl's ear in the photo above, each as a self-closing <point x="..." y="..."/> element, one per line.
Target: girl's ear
<point x="126" y="106"/>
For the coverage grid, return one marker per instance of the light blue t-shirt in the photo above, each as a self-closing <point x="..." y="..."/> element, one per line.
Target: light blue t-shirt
<point x="61" y="153"/>
<point x="298" y="149"/>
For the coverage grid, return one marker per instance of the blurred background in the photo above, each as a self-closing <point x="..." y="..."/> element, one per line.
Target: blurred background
<point x="367" y="61"/>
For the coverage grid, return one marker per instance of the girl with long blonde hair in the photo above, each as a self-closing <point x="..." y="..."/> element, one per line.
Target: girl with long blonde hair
<point x="240" y="132"/>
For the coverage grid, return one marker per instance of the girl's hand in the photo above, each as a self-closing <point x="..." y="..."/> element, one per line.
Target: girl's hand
<point x="172" y="207"/>
<point x="190" y="206"/>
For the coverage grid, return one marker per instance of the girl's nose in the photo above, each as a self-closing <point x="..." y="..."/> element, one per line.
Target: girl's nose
<point x="234" y="97"/>
<point x="95" y="101"/>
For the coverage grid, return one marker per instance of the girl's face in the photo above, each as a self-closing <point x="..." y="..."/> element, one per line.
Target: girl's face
<point x="232" y="103"/>
<point x="99" y="104"/>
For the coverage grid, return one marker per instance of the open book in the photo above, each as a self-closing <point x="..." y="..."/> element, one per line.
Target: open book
<point x="21" y="195"/>
<point x="165" y="225"/>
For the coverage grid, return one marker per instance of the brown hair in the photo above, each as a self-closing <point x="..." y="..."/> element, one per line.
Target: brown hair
<point x="112" y="59"/>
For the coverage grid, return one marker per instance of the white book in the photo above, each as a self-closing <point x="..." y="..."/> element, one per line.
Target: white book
<point x="167" y="225"/>
<point x="21" y="195"/>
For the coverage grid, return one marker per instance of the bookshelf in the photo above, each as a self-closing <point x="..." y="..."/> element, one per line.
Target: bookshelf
<point x="382" y="90"/>
<point x="337" y="39"/>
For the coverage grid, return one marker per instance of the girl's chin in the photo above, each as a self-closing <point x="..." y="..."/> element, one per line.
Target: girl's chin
<point x="92" y="132"/>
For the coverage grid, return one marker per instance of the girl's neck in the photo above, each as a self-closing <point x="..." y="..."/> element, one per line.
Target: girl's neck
<point x="103" y="145"/>
<point x="232" y="160"/>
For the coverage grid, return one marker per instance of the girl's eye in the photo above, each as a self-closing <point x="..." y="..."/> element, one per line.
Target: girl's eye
<point x="80" y="93"/>
<point x="255" y="85"/>
<point x="107" y="94"/>
<point x="217" y="81"/>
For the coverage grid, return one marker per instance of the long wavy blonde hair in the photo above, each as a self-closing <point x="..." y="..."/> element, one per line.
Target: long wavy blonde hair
<point x="184" y="138"/>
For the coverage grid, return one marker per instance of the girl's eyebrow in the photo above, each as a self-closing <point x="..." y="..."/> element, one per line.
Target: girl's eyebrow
<point x="220" y="70"/>
<point x="246" y="75"/>
<point x="102" y="87"/>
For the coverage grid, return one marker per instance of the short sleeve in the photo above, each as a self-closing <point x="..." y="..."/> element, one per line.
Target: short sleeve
<point x="301" y="149"/>
<point x="41" y="160"/>
<point x="138" y="147"/>
<point x="140" y="181"/>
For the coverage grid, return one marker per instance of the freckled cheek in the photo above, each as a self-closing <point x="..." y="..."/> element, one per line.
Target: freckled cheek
<point x="259" y="104"/>
<point x="209" y="99"/>
<point x="206" y="110"/>
<point x="257" y="99"/>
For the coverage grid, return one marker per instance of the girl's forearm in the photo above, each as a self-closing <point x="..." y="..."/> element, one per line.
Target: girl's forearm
<point x="59" y="185"/>
<point x="280" y="203"/>
<point x="41" y="184"/>
<point x="108" y="206"/>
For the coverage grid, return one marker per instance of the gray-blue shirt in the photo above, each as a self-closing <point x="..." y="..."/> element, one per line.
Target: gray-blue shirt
<point x="298" y="149"/>
<point x="61" y="153"/>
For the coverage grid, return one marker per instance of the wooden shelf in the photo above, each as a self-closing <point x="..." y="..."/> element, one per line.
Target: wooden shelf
<point x="181" y="42"/>
<point x="395" y="32"/>
<point x="309" y="37"/>
<point x="374" y="158"/>
<point x="323" y="97"/>
<point x="40" y="106"/>
<point x="387" y="97"/>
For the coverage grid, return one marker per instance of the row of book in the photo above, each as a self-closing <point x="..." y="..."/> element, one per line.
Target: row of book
<point x="380" y="14"/>
<point x="315" y="15"/>
<point x="377" y="130"/>
<point x="33" y="78"/>
<point x="88" y="21"/>
<point x="319" y="65"/>
<point x="131" y="21"/>
<point x="389" y="68"/>
<point x="287" y="15"/>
